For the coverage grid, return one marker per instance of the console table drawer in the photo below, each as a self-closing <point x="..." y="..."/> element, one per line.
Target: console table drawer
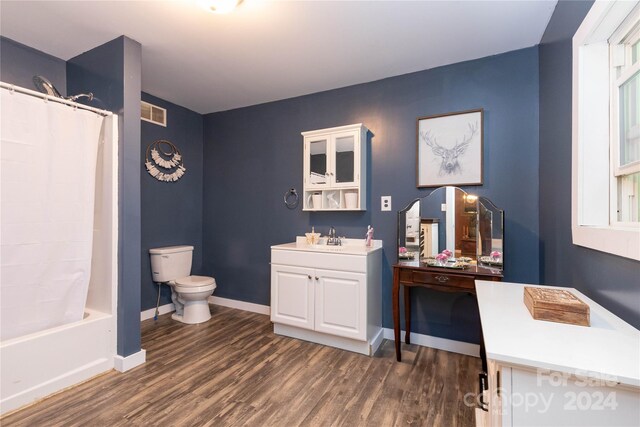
<point x="441" y="279"/>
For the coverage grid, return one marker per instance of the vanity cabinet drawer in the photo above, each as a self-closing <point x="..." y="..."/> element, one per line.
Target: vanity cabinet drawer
<point x="440" y="279"/>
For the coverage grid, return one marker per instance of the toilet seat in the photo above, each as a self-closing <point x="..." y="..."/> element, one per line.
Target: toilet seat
<point x="193" y="284"/>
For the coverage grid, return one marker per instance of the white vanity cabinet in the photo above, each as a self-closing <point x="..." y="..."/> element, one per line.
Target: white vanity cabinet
<point x="326" y="301"/>
<point x="553" y="374"/>
<point x="335" y="168"/>
<point x="329" y="295"/>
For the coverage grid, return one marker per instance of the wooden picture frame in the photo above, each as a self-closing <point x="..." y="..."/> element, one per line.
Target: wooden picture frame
<point x="449" y="149"/>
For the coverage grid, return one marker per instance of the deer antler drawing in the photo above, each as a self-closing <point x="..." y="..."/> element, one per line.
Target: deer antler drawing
<point x="450" y="164"/>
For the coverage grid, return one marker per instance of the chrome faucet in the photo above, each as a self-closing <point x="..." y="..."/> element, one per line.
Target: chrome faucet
<point x="332" y="239"/>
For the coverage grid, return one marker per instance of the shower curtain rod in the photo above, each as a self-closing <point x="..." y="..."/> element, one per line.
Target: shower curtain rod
<point x="14" y="88"/>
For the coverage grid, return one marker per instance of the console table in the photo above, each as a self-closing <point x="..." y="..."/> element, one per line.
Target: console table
<point x="415" y="273"/>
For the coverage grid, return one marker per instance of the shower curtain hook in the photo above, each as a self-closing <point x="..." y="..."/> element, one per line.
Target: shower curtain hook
<point x="12" y="89"/>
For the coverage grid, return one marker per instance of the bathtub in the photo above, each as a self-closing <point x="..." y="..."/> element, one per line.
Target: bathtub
<point x="44" y="362"/>
<point x="36" y="365"/>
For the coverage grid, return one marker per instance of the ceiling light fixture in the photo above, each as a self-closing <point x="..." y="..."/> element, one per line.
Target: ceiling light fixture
<point x="222" y="6"/>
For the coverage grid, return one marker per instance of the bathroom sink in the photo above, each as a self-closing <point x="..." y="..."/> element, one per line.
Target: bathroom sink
<point x="349" y="246"/>
<point x="326" y="248"/>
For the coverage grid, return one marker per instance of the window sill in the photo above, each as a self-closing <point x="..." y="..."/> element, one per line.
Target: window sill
<point x="620" y="241"/>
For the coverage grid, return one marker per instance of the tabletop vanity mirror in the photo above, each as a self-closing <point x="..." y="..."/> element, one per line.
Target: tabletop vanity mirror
<point x="470" y="226"/>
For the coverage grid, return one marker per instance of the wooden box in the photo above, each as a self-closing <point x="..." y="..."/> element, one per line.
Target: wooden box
<point x="556" y="305"/>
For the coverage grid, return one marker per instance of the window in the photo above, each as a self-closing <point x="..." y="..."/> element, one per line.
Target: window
<point x="625" y="119"/>
<point x="606" y="129"/>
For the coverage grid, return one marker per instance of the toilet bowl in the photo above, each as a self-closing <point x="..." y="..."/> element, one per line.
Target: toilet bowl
<point x="190" y="297"/>
<point x="172" y="265"/>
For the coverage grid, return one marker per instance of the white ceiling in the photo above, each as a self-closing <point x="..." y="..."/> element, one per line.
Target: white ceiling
<point x="270" y="50"/>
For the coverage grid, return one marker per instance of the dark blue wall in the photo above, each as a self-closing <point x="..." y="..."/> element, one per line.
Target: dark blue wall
<point x="19" y="63"/>
<point x="253" y="156"/>
<point x="113" y="73"/>
<point x="171" y="211"/>
<point x="610" y="280"/>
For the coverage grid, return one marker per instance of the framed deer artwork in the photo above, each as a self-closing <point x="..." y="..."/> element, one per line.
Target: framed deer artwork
<point x="449" y="149"/>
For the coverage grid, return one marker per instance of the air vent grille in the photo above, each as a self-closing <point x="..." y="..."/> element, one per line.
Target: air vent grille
<point x="152" y="113"/>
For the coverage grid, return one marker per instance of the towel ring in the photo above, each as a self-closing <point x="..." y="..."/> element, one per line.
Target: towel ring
<point x="291" y="198"/>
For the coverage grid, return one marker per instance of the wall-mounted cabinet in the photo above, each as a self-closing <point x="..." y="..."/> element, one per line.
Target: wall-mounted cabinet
<point x="335" y="169"/>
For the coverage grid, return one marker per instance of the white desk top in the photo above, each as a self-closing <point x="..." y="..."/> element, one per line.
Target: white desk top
<point x="607" y="350"/>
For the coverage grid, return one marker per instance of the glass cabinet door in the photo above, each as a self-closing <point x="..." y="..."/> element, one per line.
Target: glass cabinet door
<point x="345" y="160"/>
<point x="318" y="162"/>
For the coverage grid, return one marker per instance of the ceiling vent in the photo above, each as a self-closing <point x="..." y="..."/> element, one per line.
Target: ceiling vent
<point x="152" y="113"/>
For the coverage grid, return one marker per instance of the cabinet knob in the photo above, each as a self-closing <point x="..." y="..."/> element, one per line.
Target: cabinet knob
<point x="309" y="276"/>
<point x="317" y="278"/>
<point x="442" y="279"/>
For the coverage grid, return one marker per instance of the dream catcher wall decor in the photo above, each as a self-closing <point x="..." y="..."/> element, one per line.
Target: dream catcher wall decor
<point x="166" y="162"/>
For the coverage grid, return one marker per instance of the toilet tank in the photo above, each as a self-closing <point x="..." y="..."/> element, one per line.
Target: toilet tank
<point x="170" y="263"/>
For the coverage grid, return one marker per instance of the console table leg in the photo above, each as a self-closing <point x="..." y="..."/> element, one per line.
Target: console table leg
<point x="407" y="314"/>
<point x="395" y="303"/>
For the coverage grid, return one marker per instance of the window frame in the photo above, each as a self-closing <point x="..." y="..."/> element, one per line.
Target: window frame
<point x="625" y="36"/>
<point x="592" y="158"/>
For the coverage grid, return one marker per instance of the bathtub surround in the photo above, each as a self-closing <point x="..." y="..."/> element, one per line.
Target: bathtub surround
<point x="73" y="352"/>
<point x="112" y="72"/>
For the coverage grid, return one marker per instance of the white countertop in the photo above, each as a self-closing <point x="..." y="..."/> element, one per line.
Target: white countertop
<point x="349" y="246"/>
<point x="607" y="350"/>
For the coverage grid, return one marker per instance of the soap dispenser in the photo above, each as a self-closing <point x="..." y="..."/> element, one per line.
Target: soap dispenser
<point x="369" y="237"/>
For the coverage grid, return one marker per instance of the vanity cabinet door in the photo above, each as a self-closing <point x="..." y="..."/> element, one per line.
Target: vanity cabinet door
<point x="341" y="304"/>
<point x="292" y="296"/>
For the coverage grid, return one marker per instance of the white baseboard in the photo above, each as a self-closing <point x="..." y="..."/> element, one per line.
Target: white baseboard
<point x="123" y="364"/>
<point x="439" y="343"/>
<point x="240" y="305"/>
<point x="376" y="341"/>
<point x="225" y="302"/>
<point x="163" y="309"/>
<point x="418" y="339"/>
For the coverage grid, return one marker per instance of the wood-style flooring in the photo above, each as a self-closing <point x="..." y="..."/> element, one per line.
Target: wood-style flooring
<point x="233" y="371"/>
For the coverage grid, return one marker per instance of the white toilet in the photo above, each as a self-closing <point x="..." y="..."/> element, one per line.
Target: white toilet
<point x="172" y="265"/>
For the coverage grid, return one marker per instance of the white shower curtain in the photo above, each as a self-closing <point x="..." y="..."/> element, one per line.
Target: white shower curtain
<point x="47" y="186"/>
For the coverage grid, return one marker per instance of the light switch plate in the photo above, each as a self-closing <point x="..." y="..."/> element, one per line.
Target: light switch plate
<point x="386" y="203"/>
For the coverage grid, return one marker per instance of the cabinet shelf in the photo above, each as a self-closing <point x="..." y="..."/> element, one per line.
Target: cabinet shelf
<point x="332" y="200"/>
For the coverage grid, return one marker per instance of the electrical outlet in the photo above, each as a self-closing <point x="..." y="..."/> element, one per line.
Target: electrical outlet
<point x="386" y="203"/>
